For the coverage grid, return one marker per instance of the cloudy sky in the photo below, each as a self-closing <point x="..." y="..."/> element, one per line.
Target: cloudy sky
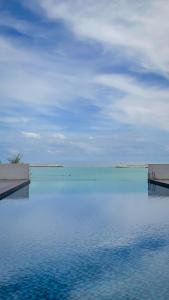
<point x="84" y="81"/>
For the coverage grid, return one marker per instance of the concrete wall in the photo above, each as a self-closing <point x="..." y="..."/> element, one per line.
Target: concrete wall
<point x="158" y="171"/>
<point x="14" y="171"/>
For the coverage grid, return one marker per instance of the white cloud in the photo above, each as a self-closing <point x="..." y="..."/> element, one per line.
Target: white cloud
<point x="141" y="104"/>
<point x="53" y="151"/>
<point x="58" y="135"/>
<point x="139" y="28"/>
<point x="31" y="135"/>
<point x="13" y="120"/>
<point x="38" y="79"/>
<point x="84" y="146"/>
<point x="91" y="137"/>
<point x="40" y="82"/>
<point x="123" y="83"/>
<point x="136" y="30"/>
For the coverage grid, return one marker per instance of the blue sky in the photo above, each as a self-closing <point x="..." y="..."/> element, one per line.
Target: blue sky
<point x="84" y="81"/>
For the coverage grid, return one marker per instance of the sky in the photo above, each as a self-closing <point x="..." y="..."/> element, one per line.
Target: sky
<point x="84" y="81"/>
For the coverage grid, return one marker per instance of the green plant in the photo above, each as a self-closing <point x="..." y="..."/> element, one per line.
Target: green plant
<point x="16" y="159"/>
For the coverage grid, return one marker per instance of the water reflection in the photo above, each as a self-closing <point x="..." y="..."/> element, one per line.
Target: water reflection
<point x="157" y="190"/>
<point x="89" y="240"/>
<point x="22" y="193"/>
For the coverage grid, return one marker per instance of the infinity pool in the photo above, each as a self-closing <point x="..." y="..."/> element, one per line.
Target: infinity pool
<point x="85" y="234"/>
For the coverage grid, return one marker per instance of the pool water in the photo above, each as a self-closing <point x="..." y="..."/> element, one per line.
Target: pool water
<point x="85" y="234"/>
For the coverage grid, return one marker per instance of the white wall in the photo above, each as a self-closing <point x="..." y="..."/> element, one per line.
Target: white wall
<point x="158" y="171"/>
<point x="14" y="171"/>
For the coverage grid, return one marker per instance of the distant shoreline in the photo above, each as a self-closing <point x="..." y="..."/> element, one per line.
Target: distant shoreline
<point x="131" y="166"/>
<point x="46" y="165"/>
<point x="90" y="165"/>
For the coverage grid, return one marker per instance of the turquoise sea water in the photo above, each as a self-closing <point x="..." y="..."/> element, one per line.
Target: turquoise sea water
<point x="85" y="233"/>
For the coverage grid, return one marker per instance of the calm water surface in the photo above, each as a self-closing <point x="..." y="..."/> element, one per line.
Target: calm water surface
<point x="85" y="234"/>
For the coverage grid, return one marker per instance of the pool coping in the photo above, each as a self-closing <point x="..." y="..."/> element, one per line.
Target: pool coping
<point x="160" y="182"/>
<point x="13" y="186"/>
